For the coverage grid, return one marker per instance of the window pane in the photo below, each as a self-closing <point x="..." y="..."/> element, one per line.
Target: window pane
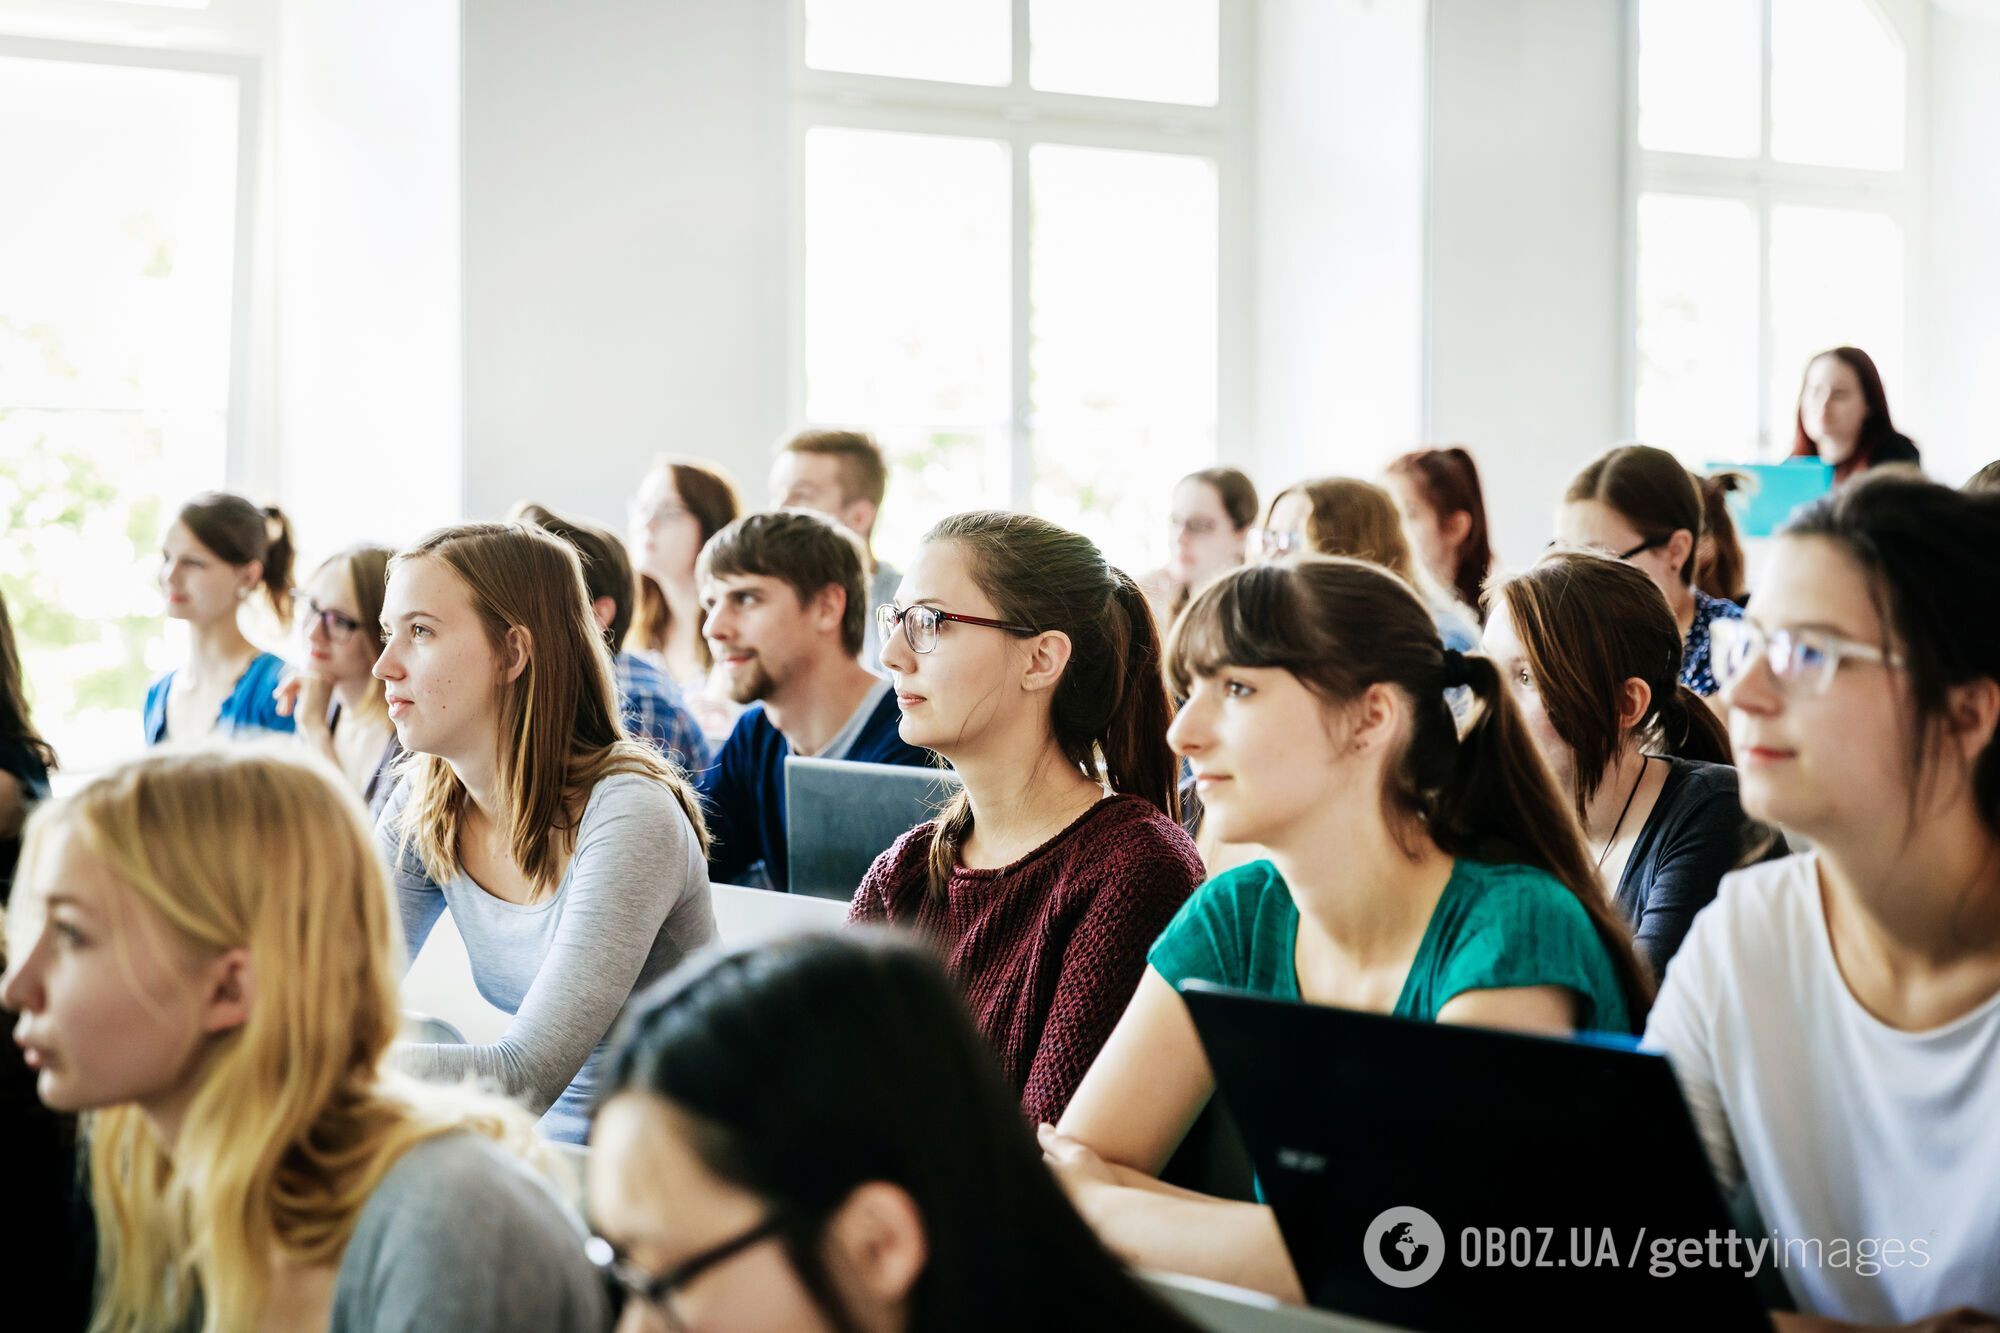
<point x="1696" y="390"/>
<point x="1837" y="75"/>
<point x="116" y="293"/>
<point x="1700" y="76"/>
<point x="1836" y="279"/>
<point x="906" y="308"/>
<point x="1123" y="337"/>
<point x="1153" y="50"/>
<point x="954" y="41"/>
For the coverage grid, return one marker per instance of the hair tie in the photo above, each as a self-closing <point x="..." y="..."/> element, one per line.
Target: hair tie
<point x="1455" y="674"/>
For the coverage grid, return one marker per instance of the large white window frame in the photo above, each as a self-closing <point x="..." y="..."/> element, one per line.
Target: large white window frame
<point x="1766" y="184"/>
<point x="1021" y="116"/>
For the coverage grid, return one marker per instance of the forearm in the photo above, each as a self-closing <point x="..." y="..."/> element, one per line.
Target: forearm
<point x="1155" y="1226"/>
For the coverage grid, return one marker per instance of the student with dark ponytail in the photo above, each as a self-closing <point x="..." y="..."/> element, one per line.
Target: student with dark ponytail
<point x="1411" y="873"/>
<point x="220" y="550"/>
<point x="1031" y="664"/>
<point x="1592" y="656"/>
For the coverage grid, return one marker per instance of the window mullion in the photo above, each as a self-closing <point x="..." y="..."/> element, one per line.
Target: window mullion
<point x="1019" y="462"/>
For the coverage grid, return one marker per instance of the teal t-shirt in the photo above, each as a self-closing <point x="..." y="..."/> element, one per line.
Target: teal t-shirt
<point x="1495" y="926"/>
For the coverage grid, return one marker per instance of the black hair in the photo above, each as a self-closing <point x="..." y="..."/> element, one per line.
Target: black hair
<point x="818" y="1063"/>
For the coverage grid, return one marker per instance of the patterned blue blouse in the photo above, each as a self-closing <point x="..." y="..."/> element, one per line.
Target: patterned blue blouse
<point x="248" y="711"/>
<point x="1695" y="671"/>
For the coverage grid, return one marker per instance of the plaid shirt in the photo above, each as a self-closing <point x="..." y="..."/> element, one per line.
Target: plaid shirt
<point x="654" y="712"/>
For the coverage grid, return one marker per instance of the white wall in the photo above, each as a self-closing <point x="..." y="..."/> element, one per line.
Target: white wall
<point x="1527" y="226"/>
<point x="624" y="203"/>
<point x="367" y="263"/>
<point x="1962" y="285"/>
<point x="1339" y="236"/>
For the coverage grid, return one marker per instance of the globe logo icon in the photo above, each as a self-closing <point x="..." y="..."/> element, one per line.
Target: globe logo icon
<point x="1404" y="1247"/>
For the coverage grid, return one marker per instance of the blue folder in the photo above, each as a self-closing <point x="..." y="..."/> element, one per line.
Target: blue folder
<point x="1774" y="491"/>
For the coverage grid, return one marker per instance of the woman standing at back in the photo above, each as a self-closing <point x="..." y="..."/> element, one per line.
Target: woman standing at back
<point x="1032" y="665"/>
<point x="219" y="551"/>
<point x="1843" y="416"/>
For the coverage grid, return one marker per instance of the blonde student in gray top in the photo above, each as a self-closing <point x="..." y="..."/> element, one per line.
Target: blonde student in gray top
<point x="209" y="969"/>
<point x="571" y="858"/>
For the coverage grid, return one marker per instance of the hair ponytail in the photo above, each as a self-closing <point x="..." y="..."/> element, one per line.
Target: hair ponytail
<point x="1690" y="729"/>
<point x="278" y="559"/>
<point x="1109" y="709"/>
<point x="1341" y="626"/>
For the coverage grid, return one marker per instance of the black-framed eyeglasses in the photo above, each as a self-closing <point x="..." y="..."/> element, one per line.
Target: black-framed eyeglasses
<point x="1651" y="543"/>
<point x="920" y="624"/>
<point x="625" y="1281"/>
<point x="337" y="626"/>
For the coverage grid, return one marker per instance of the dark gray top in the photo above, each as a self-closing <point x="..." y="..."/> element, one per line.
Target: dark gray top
<point x="459" y="1235"/>
<point x="1696" y="834"/>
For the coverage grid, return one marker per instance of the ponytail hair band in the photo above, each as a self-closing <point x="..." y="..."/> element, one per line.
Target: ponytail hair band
<point x="1455" y="674"/>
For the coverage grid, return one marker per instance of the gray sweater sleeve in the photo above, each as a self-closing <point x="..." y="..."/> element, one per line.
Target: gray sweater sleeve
<point x="459" y="1236"/>
<point x="630" y="868"/>
<point x="418" y="901"/>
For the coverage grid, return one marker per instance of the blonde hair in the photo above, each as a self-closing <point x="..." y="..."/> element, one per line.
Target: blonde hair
<point x="1357" y="519"/>
<point x="561" y="729"/>
<point x="296" y="1121"/>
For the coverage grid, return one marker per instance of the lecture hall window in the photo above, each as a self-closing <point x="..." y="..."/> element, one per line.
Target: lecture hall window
<point x="1773" y="211"/>
<point x="1010" y="250"/>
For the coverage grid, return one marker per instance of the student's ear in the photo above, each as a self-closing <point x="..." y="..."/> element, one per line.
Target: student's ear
<point x="604" y="610"/>
<point x="518" y="646"/>
<point x="1375" y="716"/>
<point x="1679" y="547"/>
<point x="1635" y="696"/>
<point x="1972" y="712"/>
<point x="828" y="608"/>
<point x="1456" y="527"/>
<point x="877" y="1245"/>
<point x="860" y="516"/>
<point x="249" y="578"/>
<point x="1048" y="654"/>
<point x="230" y="984"/>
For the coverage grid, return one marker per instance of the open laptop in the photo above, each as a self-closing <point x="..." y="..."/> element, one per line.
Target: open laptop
<point x="1774" y="492"/>
<point x="841" y="815"/>
<point x="1437" y="1176"/>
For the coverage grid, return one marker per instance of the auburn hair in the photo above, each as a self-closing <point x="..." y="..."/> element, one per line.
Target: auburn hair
<point x="1448" y="480"/>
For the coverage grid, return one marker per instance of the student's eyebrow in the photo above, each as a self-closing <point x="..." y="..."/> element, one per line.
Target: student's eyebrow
<point x="412" y="615"/>
<point x="1822" y="626"/>
<point x="64" y="900"/>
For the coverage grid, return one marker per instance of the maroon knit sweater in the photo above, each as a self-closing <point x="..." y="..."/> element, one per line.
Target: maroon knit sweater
<point x="1050" y="948"/>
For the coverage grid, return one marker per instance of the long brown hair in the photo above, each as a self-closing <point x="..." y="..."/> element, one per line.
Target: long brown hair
<point x="560" y="731"/>
<point x="1340" y="626"/>
<point x="1718" y="560"/>
<point x="241" y="532"/>
<point x="1650" y="489"/>
<point x="15" y="723"/>
<point x="1879" y="441"/>
<point x="1587" y="624"/>
<point x="710" y="496"/>
<point x="1354" y="518"/>
<point x="1448" y="480"/>
<point x="1111" y="703"/>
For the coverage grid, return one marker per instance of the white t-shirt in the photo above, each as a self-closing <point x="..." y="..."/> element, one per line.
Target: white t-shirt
<point x="1848" y="1130"/>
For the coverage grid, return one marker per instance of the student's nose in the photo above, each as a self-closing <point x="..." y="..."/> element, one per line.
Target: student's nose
<point x="1189" y="733"/>
<point x="386" y="666"/>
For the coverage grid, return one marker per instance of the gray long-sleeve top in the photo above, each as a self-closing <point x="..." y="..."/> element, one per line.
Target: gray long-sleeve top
<point x="632" y="903"/>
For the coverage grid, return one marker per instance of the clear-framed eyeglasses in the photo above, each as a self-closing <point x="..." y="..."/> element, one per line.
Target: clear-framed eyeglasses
<point x="1803" y="659"/>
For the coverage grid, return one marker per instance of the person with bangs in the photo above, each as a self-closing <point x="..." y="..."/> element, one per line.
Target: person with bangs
<point x="1027" y="660"/>
<point x="337" y="703"/>
<point x="1412" y="872"/>
<point x="572" y="858"/>
<point x="1834" y="1017"/>
<point x="220" y="550"/>
<point x="202" y="956"/>
<point x="1592" y="657"/>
